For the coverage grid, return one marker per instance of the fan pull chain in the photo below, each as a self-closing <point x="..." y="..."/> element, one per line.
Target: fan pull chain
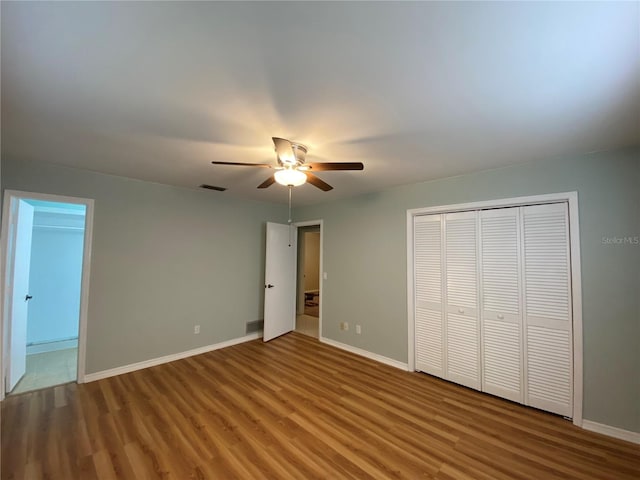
<point x="290" y="224"/>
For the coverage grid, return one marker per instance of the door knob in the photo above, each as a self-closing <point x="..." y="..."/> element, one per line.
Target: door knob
<point x="28" y="297"/>
<point x="269" y="286"/>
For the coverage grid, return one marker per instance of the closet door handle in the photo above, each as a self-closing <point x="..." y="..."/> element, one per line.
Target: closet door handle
<point x="461" y="310"/>
<point x="500" y="316"/>
<point x="28" y="297"/>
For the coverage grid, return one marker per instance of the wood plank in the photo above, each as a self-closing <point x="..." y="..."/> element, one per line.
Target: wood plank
<point x="293" y="408"/>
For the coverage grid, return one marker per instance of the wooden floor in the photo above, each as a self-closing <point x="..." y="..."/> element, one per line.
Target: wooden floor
<point x="293" y="408"/>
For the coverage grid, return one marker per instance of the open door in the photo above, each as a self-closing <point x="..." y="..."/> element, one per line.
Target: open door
<point x="19" y="296"/>
<point x="280" y="281"/>
<point x="18" y="223"/>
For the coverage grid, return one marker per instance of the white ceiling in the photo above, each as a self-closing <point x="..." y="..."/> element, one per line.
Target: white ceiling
<point x="415" y="91"/>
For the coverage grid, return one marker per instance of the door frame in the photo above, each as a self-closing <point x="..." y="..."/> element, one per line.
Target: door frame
<point x="571" y="198"/>
<point x="321" y="272"/>
<point x="14" y="195"/>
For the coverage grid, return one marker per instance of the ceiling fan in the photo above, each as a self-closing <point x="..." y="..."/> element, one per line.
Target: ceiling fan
<point x="291" y="169"/>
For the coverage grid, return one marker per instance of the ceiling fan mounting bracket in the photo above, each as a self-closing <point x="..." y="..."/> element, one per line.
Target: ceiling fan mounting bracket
<point x="299" y="152"/>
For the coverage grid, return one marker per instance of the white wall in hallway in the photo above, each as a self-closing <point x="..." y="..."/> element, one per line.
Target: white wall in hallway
<point x="55" y="276"/>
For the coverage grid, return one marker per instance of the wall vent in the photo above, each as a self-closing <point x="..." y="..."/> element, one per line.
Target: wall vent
<point x="255" y="326"/>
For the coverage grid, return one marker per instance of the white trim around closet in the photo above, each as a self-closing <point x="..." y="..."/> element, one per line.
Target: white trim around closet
<point x="571" y="198"/>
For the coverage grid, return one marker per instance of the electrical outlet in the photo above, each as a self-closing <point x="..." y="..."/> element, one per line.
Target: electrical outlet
<point x="196" y="329"/>
<point x="346" y="326"/>
<point x="358" y="329"/>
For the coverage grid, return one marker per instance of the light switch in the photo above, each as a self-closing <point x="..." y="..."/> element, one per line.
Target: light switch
<point x="324" y="275"/>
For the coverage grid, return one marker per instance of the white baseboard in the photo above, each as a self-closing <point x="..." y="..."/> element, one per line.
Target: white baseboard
<point x="112" y="372"/>
<point x="52" y="346"/>
<point x="615" y="432"/>
<point x="366" y="353"/>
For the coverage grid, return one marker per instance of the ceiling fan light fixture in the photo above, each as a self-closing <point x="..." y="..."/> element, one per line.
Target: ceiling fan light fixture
<point x="291" y="166"/>
<point x="290" y="177"/>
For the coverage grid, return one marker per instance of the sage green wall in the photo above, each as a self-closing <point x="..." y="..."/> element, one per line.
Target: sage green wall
<point x="365" y="256"/>
<point x="164" y="259"/>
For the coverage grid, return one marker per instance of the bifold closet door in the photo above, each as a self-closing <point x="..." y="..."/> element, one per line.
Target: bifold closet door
<point x="501" y="319"/>
<point x="428" y="286"/>
<point x="548" y="309"/>
<point x="462" y="333"/>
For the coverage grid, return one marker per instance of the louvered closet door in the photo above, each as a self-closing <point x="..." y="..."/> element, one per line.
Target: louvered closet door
<point x="547" y="309"/>
<point x="428" y="294"/>
<point x="501" y="319"/>
<point x="462" y="328"/>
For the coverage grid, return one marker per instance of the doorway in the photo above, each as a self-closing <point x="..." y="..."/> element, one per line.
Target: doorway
<point x="309" y="280"/>
<point x="46" y="251"/>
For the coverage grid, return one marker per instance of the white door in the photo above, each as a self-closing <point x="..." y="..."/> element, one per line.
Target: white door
<point x="279" y="281"/>
<point x="501" y="313"/>
<point x="19" y="294"/>
<point x="429" y="311"/>
<point x="547" y="309"/>
<point x="462" y="334"/>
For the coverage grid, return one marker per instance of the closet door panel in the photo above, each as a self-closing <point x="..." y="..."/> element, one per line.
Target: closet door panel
<point x="501" y="317"/>
<point x="429" y="311"/>
<point x="461" y="259"/>
<point x="463" y="366"/>
<point x="461" y="312"/>
<point x="429" y="342"/>
<point x="502" y="360"/>
<point x="547" y="308"/>
<point x="549" y="380"/>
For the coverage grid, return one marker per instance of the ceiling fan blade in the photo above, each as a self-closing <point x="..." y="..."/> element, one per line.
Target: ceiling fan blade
<point x="316" y="182"/>
<point x="261" y="165"/>
<point x="284" y="149"/>
<point x="318" y="167"/>
<point x="213" y="187"/>
<point x="268" y="182"/>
